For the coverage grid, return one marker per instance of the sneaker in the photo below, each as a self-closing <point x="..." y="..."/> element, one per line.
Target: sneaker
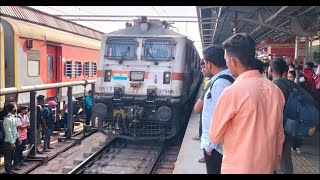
<point x="202" y="160"/>
<point x="47" y="150"/>
<point x="50" y="147"/>
<point x="40" y="152"/>
<point x="293" y="150"/>
<point x="298" y="151"/>
<point x="196" y="137"/>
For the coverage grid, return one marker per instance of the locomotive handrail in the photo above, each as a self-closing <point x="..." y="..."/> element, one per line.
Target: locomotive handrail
<point x="23" y="89"/>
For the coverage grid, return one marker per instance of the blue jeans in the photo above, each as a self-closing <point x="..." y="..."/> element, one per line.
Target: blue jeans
<point x="47" y="136"/>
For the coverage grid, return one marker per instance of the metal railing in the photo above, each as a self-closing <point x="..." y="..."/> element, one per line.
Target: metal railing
<point x="32" y="90"/>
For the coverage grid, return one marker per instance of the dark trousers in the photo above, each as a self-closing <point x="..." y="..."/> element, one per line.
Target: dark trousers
<point x="296" y="143"/>
<point x="47" y="136"/>
<point x="6" y="151"/>
<point x="213" y="162"/>
<point x="18" y="152"/>
<point x="88" y="116"/>
<point x="67" y="132"/>
<point x="286" y="165"/>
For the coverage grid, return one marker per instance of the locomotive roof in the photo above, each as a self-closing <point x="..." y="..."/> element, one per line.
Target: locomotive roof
<point x="154" y="30"/>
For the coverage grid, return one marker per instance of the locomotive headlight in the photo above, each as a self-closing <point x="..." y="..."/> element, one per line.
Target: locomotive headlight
<point x="164" y="113"/>
<point x="136" y="75"/>
<point x="166" y="77"/>
<point x="118" y="91"/>
<point x="107" y="76"/>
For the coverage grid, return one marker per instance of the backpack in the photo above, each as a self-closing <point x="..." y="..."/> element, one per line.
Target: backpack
<point x="301" y="116"/>
<point x="45" y="113"/>
<point x="223" y="76"/>
<point x="2" y="132"/>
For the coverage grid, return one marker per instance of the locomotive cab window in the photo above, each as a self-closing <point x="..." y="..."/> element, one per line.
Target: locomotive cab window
<point x="121" y="49"/>
<point x="158" y="49"/>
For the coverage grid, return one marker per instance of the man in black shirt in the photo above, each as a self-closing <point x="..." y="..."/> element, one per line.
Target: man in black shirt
<point x="40" y="105"/>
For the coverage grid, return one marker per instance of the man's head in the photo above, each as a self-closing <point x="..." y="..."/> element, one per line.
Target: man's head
<point x="12" y="108"/>
<point x="89" y="92"/>
<point x="308" y="65"/>
<point x="40" y="99"/>
<point x="277" y="68"/>
<point x="239" y="52"/>
<point x="214" y="59"/>
<point x="23" y="109"/>
<point x="292" y="75"/>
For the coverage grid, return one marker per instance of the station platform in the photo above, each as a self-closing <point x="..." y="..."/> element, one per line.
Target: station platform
<point x="190" y="152"/>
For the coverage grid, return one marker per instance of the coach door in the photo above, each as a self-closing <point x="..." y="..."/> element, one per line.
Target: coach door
<point x="51" y="67"/>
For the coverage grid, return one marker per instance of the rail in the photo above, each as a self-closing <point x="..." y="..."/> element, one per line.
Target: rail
<point x="33" y="118"/>
<point x="77" y="169"/>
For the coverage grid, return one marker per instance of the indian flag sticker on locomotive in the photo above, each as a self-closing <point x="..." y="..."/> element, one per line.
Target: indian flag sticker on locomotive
<point x="120" y="77"/>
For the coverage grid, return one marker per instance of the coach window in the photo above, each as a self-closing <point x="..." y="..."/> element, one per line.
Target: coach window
<point x="121" y="49"/>
<point x="94" y="68"/>
<point x="68" y="69"/>
<point x="50" y="66"/>
<point x="86" y="69"/>
<point x="33" y="68"/>
<point x="158" y="49"/>
<point x="33" y="65"/>
<point x="78" y="69"/>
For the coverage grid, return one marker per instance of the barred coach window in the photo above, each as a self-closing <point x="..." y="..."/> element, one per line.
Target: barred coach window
<point x="68" y="69"/>
<point x="89" y="69"/>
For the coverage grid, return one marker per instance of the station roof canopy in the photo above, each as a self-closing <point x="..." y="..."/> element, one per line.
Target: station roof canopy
<point x="274" y="23"/>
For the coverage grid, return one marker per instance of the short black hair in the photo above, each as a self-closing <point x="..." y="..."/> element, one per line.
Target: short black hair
<point x="293" y="73"/>
<point x="202" y="62"/>
<point x="242" y="46"/>
<point x="215" y="55"/>
<point x="279" y="66"/>
<point x="40" y="97"/>
<point x="310" y="64"/>
<point x="10" y="107"/>
<point x="23" y="107"/>
<point x="258" y="65"/>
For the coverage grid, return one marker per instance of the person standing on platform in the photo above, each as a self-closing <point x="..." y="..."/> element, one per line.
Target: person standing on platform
<point x="248" y="117"/>
<point x="215" y="67"/>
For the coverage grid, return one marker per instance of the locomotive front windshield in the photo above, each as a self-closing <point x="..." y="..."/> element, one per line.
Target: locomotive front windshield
<point x="121" y="49"/>
<point x="158" y="49"/>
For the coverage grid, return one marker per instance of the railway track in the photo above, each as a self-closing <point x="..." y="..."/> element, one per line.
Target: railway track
<point x="122" y="157"/>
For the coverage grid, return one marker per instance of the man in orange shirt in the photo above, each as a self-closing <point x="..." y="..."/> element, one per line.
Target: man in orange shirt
<point x="248" y="115"/>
